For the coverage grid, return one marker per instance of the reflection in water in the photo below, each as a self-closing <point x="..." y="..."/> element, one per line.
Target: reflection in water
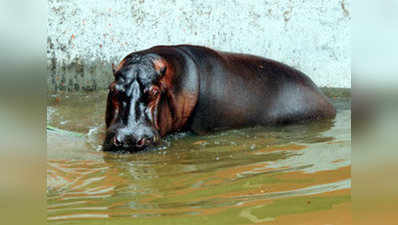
<point x="230" y="175"/>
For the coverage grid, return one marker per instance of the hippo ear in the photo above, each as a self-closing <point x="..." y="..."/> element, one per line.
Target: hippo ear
<point x="162" y="70"/>
<point x="113" y="69"/>
<point x="160" y="66"/>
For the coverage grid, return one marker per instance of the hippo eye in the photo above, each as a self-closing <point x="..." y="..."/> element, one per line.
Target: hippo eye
<point x="112" y="88"/>
<point x="117" y="92"/>
<point x="154" y="92"/>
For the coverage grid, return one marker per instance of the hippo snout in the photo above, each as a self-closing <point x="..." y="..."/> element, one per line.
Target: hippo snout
<point x="130" y="139"/>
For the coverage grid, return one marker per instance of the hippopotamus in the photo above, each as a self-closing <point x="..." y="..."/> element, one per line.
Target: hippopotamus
<point x="166" y="89"/>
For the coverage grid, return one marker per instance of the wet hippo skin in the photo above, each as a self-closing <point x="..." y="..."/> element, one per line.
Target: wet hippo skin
<point x="166" y="89"/>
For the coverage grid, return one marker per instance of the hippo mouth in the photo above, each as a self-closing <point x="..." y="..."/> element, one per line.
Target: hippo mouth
<point x="111" y="144"/>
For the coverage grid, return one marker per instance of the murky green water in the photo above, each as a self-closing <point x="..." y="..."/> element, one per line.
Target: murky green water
<point x="254" y="175"/>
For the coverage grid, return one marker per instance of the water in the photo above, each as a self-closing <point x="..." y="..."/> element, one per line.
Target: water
<point x="282" y="175"/>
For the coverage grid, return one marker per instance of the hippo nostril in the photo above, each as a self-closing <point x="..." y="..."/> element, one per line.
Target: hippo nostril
<point x="116" y="141"/>
<point x="141" y="142"/>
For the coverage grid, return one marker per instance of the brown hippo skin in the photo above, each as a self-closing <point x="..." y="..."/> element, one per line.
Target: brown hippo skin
<point x="166" y="89"/>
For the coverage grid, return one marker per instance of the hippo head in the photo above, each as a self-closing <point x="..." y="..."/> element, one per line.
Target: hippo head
<point x="144" y="103"/>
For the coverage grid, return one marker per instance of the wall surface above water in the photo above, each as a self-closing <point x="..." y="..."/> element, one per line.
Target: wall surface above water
<point x="86" y="36"/>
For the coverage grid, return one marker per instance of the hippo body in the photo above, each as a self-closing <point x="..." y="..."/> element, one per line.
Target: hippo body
<point x="200" y="90"/>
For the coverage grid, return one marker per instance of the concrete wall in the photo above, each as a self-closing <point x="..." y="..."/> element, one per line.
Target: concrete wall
<point x="86" y="36"/>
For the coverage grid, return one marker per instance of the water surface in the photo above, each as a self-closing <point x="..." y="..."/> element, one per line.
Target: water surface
<point x="295" y="174"/>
